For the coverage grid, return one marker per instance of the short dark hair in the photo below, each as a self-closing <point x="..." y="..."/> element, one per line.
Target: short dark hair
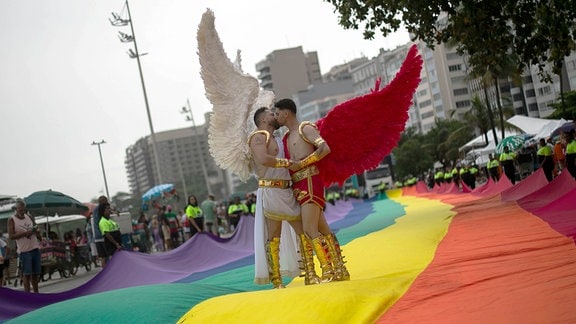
<point x="257" y="114"/>
<point x="286" y="104"/>
<point x="102" y="208"/>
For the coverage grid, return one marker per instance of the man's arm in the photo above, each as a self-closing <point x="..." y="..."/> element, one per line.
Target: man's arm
<point x="111" y="239"/>
<point x="322" y="148"/>
<point x="259" y="147"/>
<point x="12" y="231"/>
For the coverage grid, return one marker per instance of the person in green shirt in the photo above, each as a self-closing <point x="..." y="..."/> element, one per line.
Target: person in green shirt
<point x="493" y="168"/>
<point x="236" y="210"/>
<point x="110" y="229"/>
<point x="546" y="160"/>
<point x="473" y="174"/>
<point x="195" y="216"/>
<point x="439" y="177"/>
<point x="571" y="153"/>
<point x="507" y="159"/>
<point x="448" y="176"/>
<point x="208" y="207"/>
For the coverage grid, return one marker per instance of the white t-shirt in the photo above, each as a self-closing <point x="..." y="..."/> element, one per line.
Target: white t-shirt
<point x="183" y="221"/>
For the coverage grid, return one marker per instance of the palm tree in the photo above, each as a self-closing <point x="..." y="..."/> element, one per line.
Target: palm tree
<point x="477" y="118"/>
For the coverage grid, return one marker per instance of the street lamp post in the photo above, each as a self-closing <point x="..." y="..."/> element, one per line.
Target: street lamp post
<point x="102" y="164"/>
<point x="117" y="21"/>
<point x="190" y="117"/>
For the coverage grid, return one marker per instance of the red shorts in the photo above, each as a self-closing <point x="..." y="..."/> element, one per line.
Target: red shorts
<point x="309" y="190"/>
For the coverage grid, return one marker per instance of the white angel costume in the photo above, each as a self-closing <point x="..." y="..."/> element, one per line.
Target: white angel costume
<point x="235" y="96"/>
<point x="277" y="204"/>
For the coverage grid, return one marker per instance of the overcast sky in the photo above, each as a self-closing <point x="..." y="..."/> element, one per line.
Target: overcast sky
<point x="66" y="80"/>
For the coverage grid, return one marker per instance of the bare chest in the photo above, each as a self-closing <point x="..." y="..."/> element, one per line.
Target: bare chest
<point x="297" y="147"/>
<point x="273" y="147"/>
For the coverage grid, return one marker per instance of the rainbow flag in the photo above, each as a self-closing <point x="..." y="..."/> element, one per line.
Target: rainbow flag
<point x="499" y="254"/>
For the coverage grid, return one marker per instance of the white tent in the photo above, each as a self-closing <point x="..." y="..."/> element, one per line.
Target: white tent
<point x="480" y="141"/>
<point x="58" y="219"/>
<point x="480" y="156"/>
<point x="480" y="149"/>
<point x="540" y="128"/>
<point x="549" y="128"/>
<point x="528" y="125"/>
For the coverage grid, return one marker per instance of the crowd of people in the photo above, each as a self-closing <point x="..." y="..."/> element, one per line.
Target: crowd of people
<point x="165" y="228"/>
<point x="553" y="156"/>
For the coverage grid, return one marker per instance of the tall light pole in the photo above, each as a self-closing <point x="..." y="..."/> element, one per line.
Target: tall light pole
<point x="190" y="117"/>
<point x="102" y="164"/>
<point x="118" y="21"/>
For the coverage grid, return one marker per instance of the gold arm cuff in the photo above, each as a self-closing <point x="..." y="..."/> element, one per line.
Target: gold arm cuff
<point x="319" y="141"/>
<point x="305" y="173"/>
<point x="281" y="163"/>
<point x="310" y="159"/>
<point x="274" y="183"/>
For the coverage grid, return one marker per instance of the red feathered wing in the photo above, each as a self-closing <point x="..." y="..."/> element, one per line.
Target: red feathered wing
<point x="363" y="130"/>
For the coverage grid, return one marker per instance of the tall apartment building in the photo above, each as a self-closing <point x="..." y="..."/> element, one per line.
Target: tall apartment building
<point x="443" y="92"/>
<point x="319" y="99"/>
<point x="288" y="71"/>
<point x="446" y="89"/>
<point x="530" y="96"/>
<point x="183" y="156"/>
<point x="384" y="66"/>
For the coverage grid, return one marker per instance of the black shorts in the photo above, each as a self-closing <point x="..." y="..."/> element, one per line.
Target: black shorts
<point x="101" y="249"/>
<point x="1" y="270"/>
<point x="111" y="247"/>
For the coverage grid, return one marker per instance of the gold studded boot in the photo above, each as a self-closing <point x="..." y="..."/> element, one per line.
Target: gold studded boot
<point x="307" y="255"/>
<point x="322" y="249"/>
<point x="340" y="271"/>
<point x="273" y="256"/>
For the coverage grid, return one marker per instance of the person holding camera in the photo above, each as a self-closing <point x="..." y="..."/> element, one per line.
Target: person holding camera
<point x="23" y="230"/>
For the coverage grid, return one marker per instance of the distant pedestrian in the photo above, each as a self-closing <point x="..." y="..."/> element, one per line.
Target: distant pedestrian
<point x="110" y="230"/>
<point x="90" y="241"/>
<point x="195" y="216"/>
<point x="185" y="225"/>
<point x="174" y="227"/>
<point x="3" y="256"/>
<point x="23" y="230"/>
<point x="156" y="229"/>
<point x="571" y="154"/>
<point x="508" y="160"/>
<point x="235" y="211"/>
<point x="208" y="207"/>
<point x="98" y="238"/>
<point x="546" y="160"/>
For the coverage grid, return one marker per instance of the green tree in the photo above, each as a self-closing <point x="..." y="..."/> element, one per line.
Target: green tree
<point x="445" y="138"/>
<point x="534" y="32"/>
<point x="569" y="112"/>
<point x="478" y="118"/>
<point x="412" y="158"/>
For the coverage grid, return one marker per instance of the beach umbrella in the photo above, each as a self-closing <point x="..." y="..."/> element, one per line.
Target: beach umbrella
<point x="513" y="142"/>
<point x="566" y="127"/>
<point x="50" y="203"/>
<point x="157" y="191"/>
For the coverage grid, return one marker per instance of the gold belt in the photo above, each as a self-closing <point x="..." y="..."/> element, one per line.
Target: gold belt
<point x="274" y="183"/>
<point x="305" y="173"/>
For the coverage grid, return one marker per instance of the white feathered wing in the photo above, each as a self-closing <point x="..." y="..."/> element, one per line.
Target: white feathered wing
<point x="234" y="96"/>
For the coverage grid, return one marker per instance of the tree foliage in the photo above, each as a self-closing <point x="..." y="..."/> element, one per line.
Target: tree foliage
<point x="412" y="158"/>
<point x="570" y="107"/>
<point x="417" y="153"/>
<point x="493" y="33"/>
